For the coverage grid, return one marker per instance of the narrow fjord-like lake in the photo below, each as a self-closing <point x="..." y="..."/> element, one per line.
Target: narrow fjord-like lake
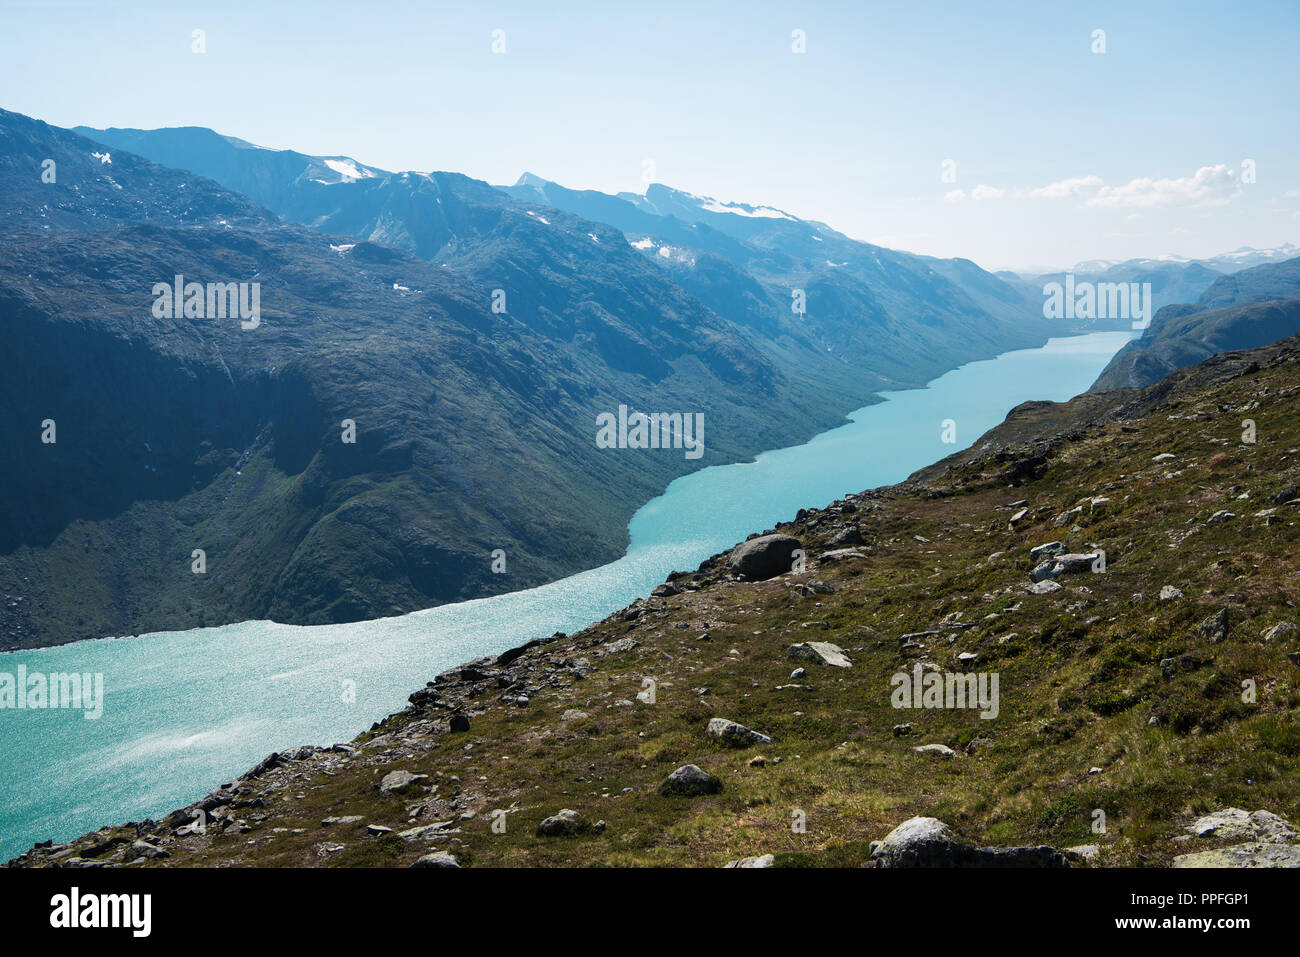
<point x="186" y="711"/>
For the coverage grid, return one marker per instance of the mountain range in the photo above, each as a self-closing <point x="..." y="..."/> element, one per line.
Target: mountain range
<point x="1250" y="308"/>
<point x="467" y="337"/>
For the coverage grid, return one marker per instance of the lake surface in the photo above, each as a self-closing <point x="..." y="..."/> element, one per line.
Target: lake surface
<point x="186" y="711"/>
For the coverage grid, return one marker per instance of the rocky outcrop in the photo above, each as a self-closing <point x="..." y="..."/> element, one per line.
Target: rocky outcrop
<point x="820" y="652"/>
<point x="735" y="735"/>
<point x="1267" y="840"/>
<point x="764" y="557"/>
<point x="690" y="781"/>
<point x="928" y="842"/>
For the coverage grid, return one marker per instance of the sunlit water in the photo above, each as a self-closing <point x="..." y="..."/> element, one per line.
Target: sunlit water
<point x="186" y="711"/>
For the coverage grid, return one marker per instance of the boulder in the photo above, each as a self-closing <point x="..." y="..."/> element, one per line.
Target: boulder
<point x="928" y="842"/>
<point x="1073" y="563"/>
<point x="819" y="652"/>
<point x="849" y="535"/>
<point x="690" y="781"/>
<point x="1281" y="630"/>
<point x="840" y="555"/>
<point x="1047" y="550"/>
<point x="437" y="859"/>
<point x="401" y="782"/>
<point x="1215" y="628"/>
<point x="936" y="750"/>
<point x="764" y="557"/>
<point x="145" y="849"/>
<point x="563" y="823"/>
<point x="1234" y="824"/>
<point x="1254" y="854"/>
<point x="766" y="860"/>
<point x="735" y="735"/>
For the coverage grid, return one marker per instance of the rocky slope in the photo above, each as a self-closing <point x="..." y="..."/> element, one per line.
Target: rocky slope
<point x="749" y="712"/>
<point x="1251" y="308"/>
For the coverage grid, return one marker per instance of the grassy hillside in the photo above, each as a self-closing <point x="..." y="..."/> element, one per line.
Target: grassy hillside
<point x="1121" y="691"/>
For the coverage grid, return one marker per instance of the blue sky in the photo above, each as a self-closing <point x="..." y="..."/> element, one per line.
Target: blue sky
<point x="1059" y="153"/>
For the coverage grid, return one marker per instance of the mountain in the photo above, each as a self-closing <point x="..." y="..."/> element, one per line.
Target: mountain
<point x="173" y="435"/>
<point x="1250" y="308"/>
<point x="875" y="316"/>
<point x="1170" y="282"/>
<point x="1241" y="258"/>
<point x="1158" y="689"/>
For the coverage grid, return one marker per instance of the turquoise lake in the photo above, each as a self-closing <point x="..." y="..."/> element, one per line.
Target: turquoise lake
<point x="185" y="711"/>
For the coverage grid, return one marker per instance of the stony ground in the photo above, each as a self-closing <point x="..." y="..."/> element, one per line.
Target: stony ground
<point x="1135" y="702"/>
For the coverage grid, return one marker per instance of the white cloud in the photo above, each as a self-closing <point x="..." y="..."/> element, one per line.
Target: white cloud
<point x="1208" y="186"/>
<point x="987" y="192"/>
<point x="956" y="196"/>
<point x="1066" y="187"/>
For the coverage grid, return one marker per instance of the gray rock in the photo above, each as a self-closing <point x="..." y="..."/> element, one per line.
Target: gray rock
<point x="1281" y="630"/>
<point x="618" y="647"/>
<point x="1215" y="628"/>
<point x="1073" y="563"/>
<point x="1254" y="854"/>
<point x="437" y="859"/>
<point x="1222" y="515"/>
<point x="797" y="674"/>
<point x="1046" y="550"/>
<point x="690" y="781"/>
<point x="849" y="535"/>
<point x="764" y="557"/>
<point x="459" y="723"/>
<point x="819" y="652"/>
<point x="766" y="860"/>
<point x="1084" y="852"/>
<point x="1043" y="587"/>
<point x="735" y="735"/>
<point x="1169" y="592"/>
<point x="145" y="849"/>
<point x="427" y="832"/>
<point x="840" y="555"/>
<point x="928" y="842"/>
<point x="1234" y="824"/>
<point x="936" y="750"/>
<point x="564" y="823"/>
<point x="401" y="782"/>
